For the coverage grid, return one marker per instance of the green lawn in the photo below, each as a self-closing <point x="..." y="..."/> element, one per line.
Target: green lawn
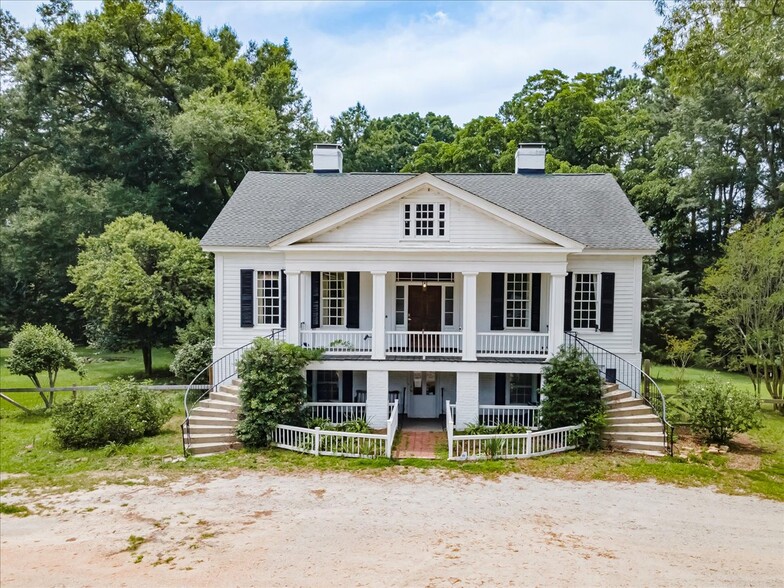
<point x="28" y="449"/>
<point x="100" y="367"/>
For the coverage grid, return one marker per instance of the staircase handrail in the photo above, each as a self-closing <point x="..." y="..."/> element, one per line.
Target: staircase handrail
<point x="225" y="360"/>
<point x="656" y="401"/>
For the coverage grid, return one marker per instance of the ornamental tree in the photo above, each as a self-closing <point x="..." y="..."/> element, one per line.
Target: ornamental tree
<point x="36" y="350"/>
<point x="137" y="282"/>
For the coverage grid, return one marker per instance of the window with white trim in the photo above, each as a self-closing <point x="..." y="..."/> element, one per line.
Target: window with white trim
<point x="424" y="219"/>
<point x="518" y="300"/>
<point x="584" y="301"/>
<point x="521" y="389"/>
<point x="268" y="297"/>
<point x="333" y="299"/>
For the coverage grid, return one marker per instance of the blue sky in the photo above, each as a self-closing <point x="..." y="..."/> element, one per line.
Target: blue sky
<point x="458" y="58"/>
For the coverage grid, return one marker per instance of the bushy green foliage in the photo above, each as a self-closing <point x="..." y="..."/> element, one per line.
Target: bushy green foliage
<point x="195" y="339"/>
<point x="499" y="428"/>
<point x="120" y="412"/>
<point x="718" y="410"/>
<point x="573" y="390"/>
<point x="43" y="349"/>
<point x="273" y="390"/>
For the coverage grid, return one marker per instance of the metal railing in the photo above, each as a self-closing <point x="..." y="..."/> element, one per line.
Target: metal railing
<point x="616" y="369"/>
<point x="424" y="343"/>
<point x="218" y="372"/>
<point x="511" y="344"/>
<point x="338" y="342"/>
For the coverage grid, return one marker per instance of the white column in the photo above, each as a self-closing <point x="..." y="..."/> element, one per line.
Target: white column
<point x="467" y="400"/>
<point x="293" y="304"/>
<point x="556" y="322"/>
<point x="379" y="315"/>
<point x="469" y="316"/>
<point x="377" y="404"/>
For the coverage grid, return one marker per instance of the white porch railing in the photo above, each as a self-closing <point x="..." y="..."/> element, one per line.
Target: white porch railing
<point x="424" y="343"/>
<point x="506" y="344"/>
<point x="338" y="443"/>
<point x="336" y="412"/>
<point x="348" y="342"/>
<point x="521" y="416"/>
<point x="514" y="446"/>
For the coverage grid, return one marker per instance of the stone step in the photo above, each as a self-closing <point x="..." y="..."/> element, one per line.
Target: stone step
<point x="199" y="428"/>
<point x="636" y="446"/>
<point x="202" y="437"/>
<point x="203" y="410"/>
<point x="236" y="382"/>
<point x="624" y="410"/>
<point x="610" y="387"/>
<point x="622" y="401"/>
<point x="230" y="389"/>
<point x="643" y="427"/>
<point x="616" y="395"/>
<point x="623" y="419"/>
<point x="647" y="436"/>
<point x="208" y="419"/>
<point x="225" y="397"/>
<point x="219" y="404"/>
<point x="210" y="448"/>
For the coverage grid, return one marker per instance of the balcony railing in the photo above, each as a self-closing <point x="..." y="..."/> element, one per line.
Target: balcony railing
<point x="492" y="415"/>
<point x="445" y="343"/>
<point x="506" y="344"/>
<point x="338" y="342"/>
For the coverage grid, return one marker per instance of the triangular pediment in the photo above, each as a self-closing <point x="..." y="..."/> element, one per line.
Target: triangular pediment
<point x="458" y="219"/>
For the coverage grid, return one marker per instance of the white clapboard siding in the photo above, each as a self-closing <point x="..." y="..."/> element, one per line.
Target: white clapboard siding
<point x="466" y="225"/>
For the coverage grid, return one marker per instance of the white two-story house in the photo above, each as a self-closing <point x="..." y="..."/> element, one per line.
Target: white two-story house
<point x="429" y="287"/>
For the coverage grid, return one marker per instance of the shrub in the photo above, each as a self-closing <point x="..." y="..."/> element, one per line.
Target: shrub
<point x="190" y="359"/>
<point x="719" y="410"/>
<point x="273" y="390"/>
<point x="37" y="350"/>
<point x="573" y="395"/>
<point x="120" y="412"/>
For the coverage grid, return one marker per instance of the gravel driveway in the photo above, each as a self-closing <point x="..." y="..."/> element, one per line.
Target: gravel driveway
<point x="387" y="528"/>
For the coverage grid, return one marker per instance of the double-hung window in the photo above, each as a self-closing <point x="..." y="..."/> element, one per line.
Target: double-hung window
<point x="585" y="296"/>
<point x="518" y="300"/>
<point x="424" y="219"/>
<point x="521" y="389"/>
<point x="268" y="297"/>
<point x="327" y="386"/>
<point x="333" y="299"/>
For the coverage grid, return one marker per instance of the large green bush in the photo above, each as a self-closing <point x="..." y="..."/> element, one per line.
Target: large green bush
<point x="719" y="410"/>
<point x="273" y="389"/>
<point x="573" y="391"/>
<point x="194" y="350"/>
<point x="119" y="412"/>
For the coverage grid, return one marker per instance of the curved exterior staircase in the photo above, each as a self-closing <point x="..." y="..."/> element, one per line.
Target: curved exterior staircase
<point x="632" y="425"/>
<point x="212" y="423"/>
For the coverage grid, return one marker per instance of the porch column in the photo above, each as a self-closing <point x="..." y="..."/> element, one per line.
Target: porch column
<point x="379" y="316"/>
<point x="467" y="399"/>
<point x="556" y="319"/>
<point x="469" y="316"/>
<point x="293" y="303"/>
<point x="377" y="404"/>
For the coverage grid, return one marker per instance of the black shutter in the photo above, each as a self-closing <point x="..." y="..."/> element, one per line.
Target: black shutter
<point x="282" y="299"/>
<point x="568" y="303"/>
<point x="348" y="386"/>
<point x="500" y="389"/>
<point x="497" y="302"/>
<point x="607" y="307"/>
<point x="536" y="301"/>
<point x="309" y="380"/>
<point x="246" y="298"/>
<point x="315" y="300"/>
<point x="352" y="300"/>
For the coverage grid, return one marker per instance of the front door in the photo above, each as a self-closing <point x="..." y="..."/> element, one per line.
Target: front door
<point x="424" y="314"/>
<point x="424" y="396"/>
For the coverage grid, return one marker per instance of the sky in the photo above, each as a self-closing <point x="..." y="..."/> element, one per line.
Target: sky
<point x="463" y="59"/>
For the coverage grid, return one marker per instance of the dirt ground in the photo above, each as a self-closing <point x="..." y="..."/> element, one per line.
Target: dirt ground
<point x="406" y="528"/>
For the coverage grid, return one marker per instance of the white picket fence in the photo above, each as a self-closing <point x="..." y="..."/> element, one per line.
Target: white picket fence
<point x="338" y="443"/>
<point x="511" y="446"/>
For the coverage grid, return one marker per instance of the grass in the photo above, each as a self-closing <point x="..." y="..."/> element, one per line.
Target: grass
<point x="32" y="461"/>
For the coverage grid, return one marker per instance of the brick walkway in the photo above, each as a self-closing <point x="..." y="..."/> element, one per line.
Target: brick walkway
<point x="419" y="444"/>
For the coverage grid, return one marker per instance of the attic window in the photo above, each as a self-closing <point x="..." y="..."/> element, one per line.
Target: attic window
<point x="424" y="219"/>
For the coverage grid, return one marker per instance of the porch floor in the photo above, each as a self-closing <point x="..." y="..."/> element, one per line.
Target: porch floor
<point x="419" y="438"/>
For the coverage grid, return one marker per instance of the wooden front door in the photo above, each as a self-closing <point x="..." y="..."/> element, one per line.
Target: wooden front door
<point x="424" y="314"/>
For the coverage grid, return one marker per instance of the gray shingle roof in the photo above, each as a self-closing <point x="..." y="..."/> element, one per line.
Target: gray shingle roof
<point x="588" y="208"/>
